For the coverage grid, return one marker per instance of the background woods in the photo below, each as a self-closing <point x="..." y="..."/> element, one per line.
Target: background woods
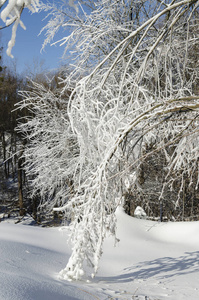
<point x="15" y="198"/>
<point x="9" y="142"/>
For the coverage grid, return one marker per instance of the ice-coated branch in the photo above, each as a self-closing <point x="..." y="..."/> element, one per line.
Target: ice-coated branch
<point x="11" y="14"/>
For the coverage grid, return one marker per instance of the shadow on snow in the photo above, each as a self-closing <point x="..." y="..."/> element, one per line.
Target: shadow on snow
<point x="165" y="267"/>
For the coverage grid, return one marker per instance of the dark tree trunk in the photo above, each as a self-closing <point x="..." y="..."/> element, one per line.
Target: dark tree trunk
<point x="20" y="186"/>
<point x="4" y="154"/>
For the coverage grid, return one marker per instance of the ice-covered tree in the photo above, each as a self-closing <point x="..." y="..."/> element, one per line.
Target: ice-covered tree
<point x="133" y="83"/>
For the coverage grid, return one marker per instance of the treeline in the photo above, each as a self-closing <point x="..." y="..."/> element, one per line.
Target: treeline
<point x="15" y="199"/>
<point x="9" y="141"/>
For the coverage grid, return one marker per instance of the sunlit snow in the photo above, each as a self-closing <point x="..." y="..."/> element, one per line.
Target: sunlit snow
<point x="152" y="261"/>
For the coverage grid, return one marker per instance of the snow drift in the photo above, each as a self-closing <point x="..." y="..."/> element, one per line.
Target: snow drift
<point x="153" y="260"/>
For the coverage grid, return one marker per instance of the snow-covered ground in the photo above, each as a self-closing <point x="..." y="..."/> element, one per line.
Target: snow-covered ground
<point x="152" y="261"/>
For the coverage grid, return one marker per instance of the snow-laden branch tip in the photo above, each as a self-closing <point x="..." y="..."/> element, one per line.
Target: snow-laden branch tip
<point x="72" y="4"/>
<point x="11" y="14"/>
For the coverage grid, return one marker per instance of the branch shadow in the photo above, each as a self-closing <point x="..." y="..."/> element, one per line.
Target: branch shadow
<point x="165" y="267"/>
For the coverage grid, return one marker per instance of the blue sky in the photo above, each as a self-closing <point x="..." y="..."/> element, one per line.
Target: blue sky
<point x="28" y="44"/>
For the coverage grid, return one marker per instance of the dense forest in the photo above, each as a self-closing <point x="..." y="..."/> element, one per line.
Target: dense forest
<point x="15" y="191"/>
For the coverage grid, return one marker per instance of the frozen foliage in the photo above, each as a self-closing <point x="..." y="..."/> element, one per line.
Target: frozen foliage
<point x="134" y="83"/>
<point x="11" y="14"/>
<point x="52" y="150"/>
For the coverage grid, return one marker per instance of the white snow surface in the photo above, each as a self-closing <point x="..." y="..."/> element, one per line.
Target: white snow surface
<point x="152" y="261"/>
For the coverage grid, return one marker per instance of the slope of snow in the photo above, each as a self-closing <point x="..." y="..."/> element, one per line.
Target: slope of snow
<point x="152" y="261"/>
